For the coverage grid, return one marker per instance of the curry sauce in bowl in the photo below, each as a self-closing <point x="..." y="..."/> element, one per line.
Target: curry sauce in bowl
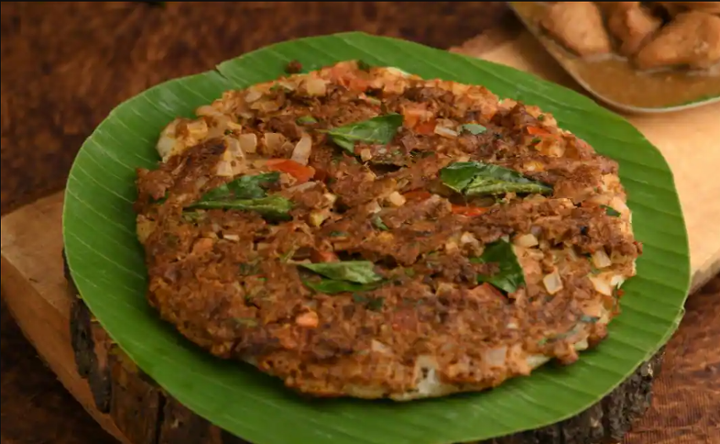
<point x="636" y="56"/>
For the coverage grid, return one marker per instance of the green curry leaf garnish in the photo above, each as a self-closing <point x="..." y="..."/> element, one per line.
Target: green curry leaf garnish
<point x="378" y="130"/>
<point x="477" y="178"/>
<point x="510" y="275"/>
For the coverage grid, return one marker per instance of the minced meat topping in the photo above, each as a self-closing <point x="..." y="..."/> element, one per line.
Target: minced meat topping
<point x="361" y="231"/>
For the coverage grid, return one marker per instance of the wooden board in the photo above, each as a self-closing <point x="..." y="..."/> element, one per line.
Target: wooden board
<point x="37" y="295"/>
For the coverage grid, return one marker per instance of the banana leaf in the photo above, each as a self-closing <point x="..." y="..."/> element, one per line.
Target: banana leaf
<point x="106" y="262"/>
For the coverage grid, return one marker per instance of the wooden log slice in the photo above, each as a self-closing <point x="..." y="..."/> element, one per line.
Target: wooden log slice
<point x="146" y="414"/>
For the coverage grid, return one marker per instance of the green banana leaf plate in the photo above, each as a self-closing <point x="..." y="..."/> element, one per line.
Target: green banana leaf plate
<point x="107" y="265"/>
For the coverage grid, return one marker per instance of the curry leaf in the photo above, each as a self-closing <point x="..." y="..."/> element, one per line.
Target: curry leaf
<point x="273" y="207"/>
<point x="472" y="128"/>
<point x="610" y="211"/>
<point x="477" y="178"/>
<point x="378" y="130"/>
<point x="379" y="224"/>
<point x="244" y="187"/>
<point x="332" y="286"/>
<point x="510" y="275"/>
<point x="361" y="272"/>
<point x="304" y="120"/>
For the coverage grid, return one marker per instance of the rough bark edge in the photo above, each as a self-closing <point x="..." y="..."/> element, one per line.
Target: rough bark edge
<point x="147" y="415"/>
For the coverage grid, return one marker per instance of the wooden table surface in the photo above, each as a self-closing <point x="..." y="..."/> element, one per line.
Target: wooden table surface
<point x="66" y="65"/>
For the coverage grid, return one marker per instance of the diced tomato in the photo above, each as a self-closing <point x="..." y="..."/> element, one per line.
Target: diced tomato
<point x="417" y="195"/>
<point x="427" y="127"/>
<point x="490" y="288"/>
<point x="339" y="71"/>
<point x="343" y="75"/>
<point x="323" y="256"/>
<point x="468" y="211"/>
<point x="413" y="114"/>
<point x="537" y="131"/>
<point x="300" y="172"/>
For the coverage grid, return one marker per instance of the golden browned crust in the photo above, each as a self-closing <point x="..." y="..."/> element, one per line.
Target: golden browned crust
<point x="419" y="323"/>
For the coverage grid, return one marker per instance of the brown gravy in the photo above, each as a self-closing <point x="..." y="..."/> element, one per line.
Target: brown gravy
<point x="616" y="80"/>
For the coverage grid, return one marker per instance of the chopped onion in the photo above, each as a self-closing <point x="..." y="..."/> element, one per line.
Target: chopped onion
<point x="197" y="128"/>
<point x="373" y="207"/>
<point x="365" y="154"/>
<point x="552" y="282"/>
<point x="231" y="237"/>
<point x="287" y="146"/>
<point x="233" y="148"/>
<point x="581" y="345"/>
<point x="286" y="85"/>
<point x="302" y="187"/>
<point x="617" y="280"/>
<point x="459" y="89"/>
<point x="468" y="238"/>
<point x="377" y="346"/>
<point x="224" y="169"/>
<point x="396" y="199"/>
<point x="600" y="259"/>
<point x="252" y="95"/>
<point x="331" y="198"/>
<point x="267" y="106"/>
<point x="451" y="246"/>
<point x="315" y="87"/>
<point x="447" y="132"/>
<point x="234" y="125"/>
<point x="248" y="142"/>
<point x="316" y="218"/>
<point x="601" y="285"/>
<point x="302" y="150"/>
<point x="535" y="361"/>
<point x="207" y="110"/>
<point x="495" y="357"/>
<point x="396" y="71"/>
<point x="619" y="205"/>
<point x="166" y="143"/>
<point x="444" y="287"/>
<point x="534" y="165"/>
<point x="200" y="182"/>
<point x="526" y="240"/>
<point x="144" y="228"/>
<point x="274" y="141"/>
